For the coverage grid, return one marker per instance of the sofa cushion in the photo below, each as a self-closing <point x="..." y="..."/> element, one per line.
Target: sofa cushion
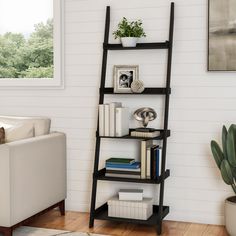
<point x="41" y="124"/>
<point x="2" y="135"/>
<point x="18" y="132"/>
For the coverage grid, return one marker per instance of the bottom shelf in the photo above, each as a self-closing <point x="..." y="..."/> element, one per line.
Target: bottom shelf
<point x="101" y="213"/>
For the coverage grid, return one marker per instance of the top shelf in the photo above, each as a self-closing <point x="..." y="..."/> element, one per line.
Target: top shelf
<point x="140" y="46"/>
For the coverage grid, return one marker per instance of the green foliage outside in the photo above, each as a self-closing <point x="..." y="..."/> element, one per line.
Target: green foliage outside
<point x="31" y="57"/>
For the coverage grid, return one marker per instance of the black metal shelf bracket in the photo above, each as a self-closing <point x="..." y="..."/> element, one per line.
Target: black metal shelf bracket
<point x="160" y="211"/>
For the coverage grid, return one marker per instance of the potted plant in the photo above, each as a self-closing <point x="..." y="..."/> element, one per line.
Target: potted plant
<point x="225" y="159"/>
<point x="129" y="32"/>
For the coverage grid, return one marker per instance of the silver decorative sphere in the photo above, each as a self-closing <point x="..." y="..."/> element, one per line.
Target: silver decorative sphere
<point x="145" y="114"/>
<point x="137" y="86"/>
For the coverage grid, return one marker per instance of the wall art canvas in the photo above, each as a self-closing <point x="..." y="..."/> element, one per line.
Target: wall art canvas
<point x="222" y="35"/>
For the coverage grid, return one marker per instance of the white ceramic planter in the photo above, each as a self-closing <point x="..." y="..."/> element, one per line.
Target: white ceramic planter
<point x="129" y="41"/>
<point x="230" y="215"/>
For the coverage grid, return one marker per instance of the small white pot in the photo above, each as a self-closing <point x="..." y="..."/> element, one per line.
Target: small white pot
<point x="230" y="215"/>
<point x="129" y="41"/>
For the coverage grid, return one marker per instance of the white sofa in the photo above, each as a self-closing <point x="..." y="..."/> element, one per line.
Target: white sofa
<point x="32" y="173"/>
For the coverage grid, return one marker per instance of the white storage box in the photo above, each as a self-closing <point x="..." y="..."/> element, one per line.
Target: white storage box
<point x="130" y="195"/>
<point x="139" y="210"/>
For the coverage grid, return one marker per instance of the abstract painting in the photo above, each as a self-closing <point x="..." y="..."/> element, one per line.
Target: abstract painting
<point x="222" y="35"/>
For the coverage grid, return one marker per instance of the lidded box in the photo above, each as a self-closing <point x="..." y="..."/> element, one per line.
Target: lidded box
<point x="131" y="194"/>
<point x="139" y="210"/>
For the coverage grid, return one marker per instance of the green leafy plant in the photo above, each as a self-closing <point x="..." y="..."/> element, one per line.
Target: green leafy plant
<point x="225" y="158"/>
<point x="129" y="29"/>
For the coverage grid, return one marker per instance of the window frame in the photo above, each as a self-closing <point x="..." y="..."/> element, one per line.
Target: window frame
<point x="58" y="43"/>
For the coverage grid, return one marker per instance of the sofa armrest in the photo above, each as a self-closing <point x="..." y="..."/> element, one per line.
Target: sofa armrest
<point x="33" y="173"/>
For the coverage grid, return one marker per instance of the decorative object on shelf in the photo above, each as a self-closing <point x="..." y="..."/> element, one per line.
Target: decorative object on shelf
<point x="221" y="35"/>
<point x="145" y="114"/>
<point x="137" y="86"/>
<point x="225" y="159"/>
<point x="124" y="76"/>
<point x="129" y="32"/>
<point x="139" y="210"/>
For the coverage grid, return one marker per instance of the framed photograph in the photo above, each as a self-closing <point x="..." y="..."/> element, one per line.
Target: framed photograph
<point x="221" y="35"/>
<point x="124" y="75"/>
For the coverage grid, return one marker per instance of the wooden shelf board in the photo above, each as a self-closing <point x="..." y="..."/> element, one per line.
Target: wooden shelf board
<point x="101" y="176"/>
<point x="147" y="91"/>
<point x="139" y="46"/>
<point x="160" y="137"/>
<point x="101" y="213"/>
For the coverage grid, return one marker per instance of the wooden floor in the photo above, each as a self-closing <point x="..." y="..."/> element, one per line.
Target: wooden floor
<point x="74" y="221"/>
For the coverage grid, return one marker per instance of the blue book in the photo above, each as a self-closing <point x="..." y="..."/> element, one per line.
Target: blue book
<point x="135" y="165"/>
<point x="158" y="162"/>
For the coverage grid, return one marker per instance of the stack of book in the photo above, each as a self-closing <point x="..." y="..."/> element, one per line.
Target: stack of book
<point x="145" y="133"/>
<point x="113" y="120"/>
<point x="123" y="168"/>
<point x="150" y="160"/>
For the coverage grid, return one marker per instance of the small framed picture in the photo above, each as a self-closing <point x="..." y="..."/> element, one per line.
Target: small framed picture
<point x="124" y="75"/>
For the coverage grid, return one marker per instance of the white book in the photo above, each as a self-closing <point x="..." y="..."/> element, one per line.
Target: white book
<point x="101" y="115"/>
<point x="131" y="195"/>
<point x="148" y="163"/>
<point x="122" y="121"/>
<point x="113" y="107"/>
<point x="107" y="119"/>
<point x="123" y="176"/>
<point x="144" y="146"/>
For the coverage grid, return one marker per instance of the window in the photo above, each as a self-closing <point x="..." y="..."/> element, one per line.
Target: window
<point x="31" y="43"/>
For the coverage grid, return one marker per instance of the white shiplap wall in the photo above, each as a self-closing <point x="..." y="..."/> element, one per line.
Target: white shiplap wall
<point x="201" y="102"/>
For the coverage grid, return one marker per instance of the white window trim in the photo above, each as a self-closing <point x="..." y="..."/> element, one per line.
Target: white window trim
<point x="41" y="83"/>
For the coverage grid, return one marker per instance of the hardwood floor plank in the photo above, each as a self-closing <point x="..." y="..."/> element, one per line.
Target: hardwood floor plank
<point x="195" y="230"/>
<point x="215" y="230"/>
<point x="76" y="221"/>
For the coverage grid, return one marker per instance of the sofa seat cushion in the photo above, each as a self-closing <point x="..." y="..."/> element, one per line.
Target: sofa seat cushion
<point x="41" y="124"/>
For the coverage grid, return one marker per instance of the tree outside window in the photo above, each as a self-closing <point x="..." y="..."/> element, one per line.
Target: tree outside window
<point x="28" y="39"/>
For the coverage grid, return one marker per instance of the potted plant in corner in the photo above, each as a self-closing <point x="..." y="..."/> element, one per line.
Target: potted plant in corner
<point x="225" y="159"/>
<point x="129" y="32"/>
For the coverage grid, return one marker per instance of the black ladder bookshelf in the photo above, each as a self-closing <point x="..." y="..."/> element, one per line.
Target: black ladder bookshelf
<point x="159" y="211"/>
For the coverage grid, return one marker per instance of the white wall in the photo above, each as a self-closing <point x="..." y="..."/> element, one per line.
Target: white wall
<point x="201" y="103"/>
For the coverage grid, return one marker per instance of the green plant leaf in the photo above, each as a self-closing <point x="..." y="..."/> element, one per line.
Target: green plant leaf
<point x="129" y="29"/>
<point x="232" y="128"/>
<point x="224" y="140"/>
<point x="230" y="146"/>
<point x="226" y="172"/>
<point x="217" y="153"/>
<point x="234" y="172"/>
